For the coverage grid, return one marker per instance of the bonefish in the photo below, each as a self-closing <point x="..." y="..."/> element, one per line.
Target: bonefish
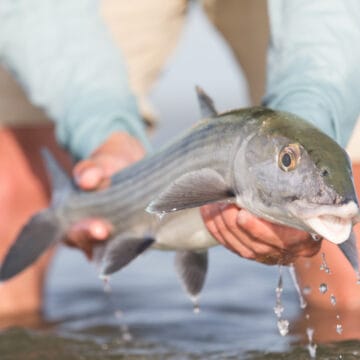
<point x="272" y="163"/>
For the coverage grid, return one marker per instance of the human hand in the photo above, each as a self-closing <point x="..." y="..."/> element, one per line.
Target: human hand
<point x="117" y="152"/>
<point x="257" y="239"/>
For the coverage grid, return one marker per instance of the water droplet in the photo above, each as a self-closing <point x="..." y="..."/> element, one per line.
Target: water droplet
<point x="196" y="306"/>
<point x="338" y="316"/>
<point x="323" y="265"/>
<point x="339" y="328"/>
<point x="307" y="290"/>
<point x="340" y="357"/>
<point x="106" y="281"/>
<point x="118" y="314"/>
<point x="278" y="310"/>
<point x="311" y="346"/>
<point x="126" y="336"/>
<point x="283" y="326"/>
<point x="323" y="288"/>
<point x="332" y="299"/>
<point x="125" y="333"/>
<point x="307" y="316"/>
<point x="310" y="333"/>
<point x="312" y="350"/>
<point x="160" y="215"/>
<point x="316" y="237"/>
<point x="358" y="278"/>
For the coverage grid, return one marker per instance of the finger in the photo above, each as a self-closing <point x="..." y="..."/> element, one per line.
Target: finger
<point x="88" y="174"/>
<point x="263" y="249"/>
<point x="86" y="234"/>
<point x="208" y="213"/>
<point x="212" y="215"/>
<point x="94" y="229"/>
<point x="282" y="237"/>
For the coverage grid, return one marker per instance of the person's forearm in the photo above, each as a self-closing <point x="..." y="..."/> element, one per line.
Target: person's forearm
<point x="63" y="55"/>
<point x="313" y="62"/>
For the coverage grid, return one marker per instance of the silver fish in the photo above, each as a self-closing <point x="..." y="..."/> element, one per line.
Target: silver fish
<point x="272" y="163"/>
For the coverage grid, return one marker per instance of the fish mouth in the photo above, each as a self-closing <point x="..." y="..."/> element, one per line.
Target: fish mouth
<point x="333" y="222"/>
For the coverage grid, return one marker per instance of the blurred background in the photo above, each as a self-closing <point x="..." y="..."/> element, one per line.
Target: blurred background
<point x="143" y="312"/>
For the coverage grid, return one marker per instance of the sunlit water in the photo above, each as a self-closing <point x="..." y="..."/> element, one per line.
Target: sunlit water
<point x="146" y="315"/>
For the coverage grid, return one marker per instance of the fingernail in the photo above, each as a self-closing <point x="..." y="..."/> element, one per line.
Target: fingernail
<point x="99" y="231"/>
<point x="243" y="217"/>
<point x="90" y="178"/>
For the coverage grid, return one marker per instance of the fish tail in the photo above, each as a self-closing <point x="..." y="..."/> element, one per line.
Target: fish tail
<point x="43" y="230"/>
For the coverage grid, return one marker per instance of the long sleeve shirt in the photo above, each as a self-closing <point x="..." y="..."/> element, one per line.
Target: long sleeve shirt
<point x="314" y="62"/>
<point x="63" y="55"/>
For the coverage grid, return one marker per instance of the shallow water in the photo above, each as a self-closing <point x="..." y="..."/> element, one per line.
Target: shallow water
<point x="236" y="320"/>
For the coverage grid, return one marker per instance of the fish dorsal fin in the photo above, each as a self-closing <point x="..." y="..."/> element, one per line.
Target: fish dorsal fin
<point x="206" y="104"/>
<point x="192" y="267"/>
<point x="349" y="249"/>
<point x="61" y="183"/>
<point x="190" y="190"/>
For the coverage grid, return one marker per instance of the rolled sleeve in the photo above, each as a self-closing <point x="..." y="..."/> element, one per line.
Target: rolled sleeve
<point x="313" y="62"/>
<point x="62" y="54"/>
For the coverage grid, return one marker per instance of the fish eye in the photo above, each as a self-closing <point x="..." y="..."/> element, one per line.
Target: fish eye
<point x="324" y="172"/>
<point x="289" y="157"/>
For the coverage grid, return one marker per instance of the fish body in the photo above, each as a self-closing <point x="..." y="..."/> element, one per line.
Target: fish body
<point x="275" y="164"/>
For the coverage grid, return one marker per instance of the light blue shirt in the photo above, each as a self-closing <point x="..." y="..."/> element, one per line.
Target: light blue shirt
<point x="314" y="62"/>
<point x="63" y="55"/>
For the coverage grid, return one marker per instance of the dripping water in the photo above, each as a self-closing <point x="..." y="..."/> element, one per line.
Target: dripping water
<point x="311" y="345"/>
<point x="282" y="324"/>
<point x="118" y="314"/>
<point x="324" y="266"/>
<point x="292" y="272"/>
<point x="196" y="306"/>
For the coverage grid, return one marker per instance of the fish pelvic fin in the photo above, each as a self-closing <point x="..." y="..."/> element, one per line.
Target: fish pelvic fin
<point x="349" y="249"/>
<point x="121" y="250"/>
<point x="206" y="104"/>
<point x="42" y="231"/>
<point x="190" y="190"/>
<point x="61" y="184"/>
<point x="192" y="268"/>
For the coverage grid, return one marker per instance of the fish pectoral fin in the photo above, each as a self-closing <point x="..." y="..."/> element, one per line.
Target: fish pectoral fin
<point x="192" y="267"/>
<point x="349" y="249"/>
<point x="36" y="236"/>
<point x="206" y="104"/>
<point x="191" y="190"/>
<point x="121" y="250"/>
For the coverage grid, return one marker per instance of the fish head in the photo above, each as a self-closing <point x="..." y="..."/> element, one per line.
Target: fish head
<point x="301" y="176"/>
